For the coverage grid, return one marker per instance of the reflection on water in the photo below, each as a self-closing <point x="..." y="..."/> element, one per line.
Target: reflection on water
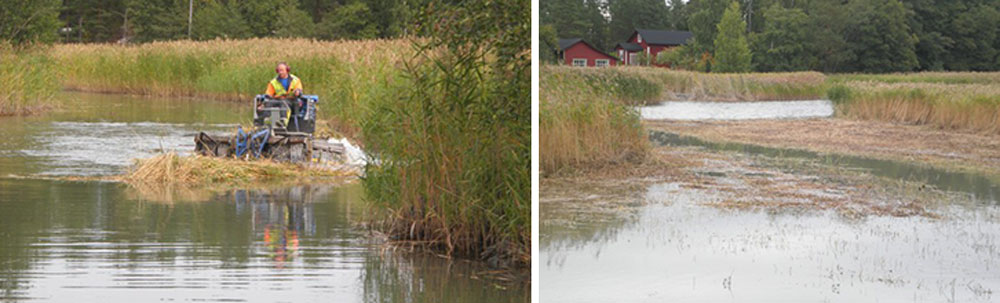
<point x="77" y="241"/>
<point x="676" y="250"/>
<point x="94" y="134"/>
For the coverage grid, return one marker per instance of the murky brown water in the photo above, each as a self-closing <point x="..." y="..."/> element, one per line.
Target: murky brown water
<point x="103" y="242"/>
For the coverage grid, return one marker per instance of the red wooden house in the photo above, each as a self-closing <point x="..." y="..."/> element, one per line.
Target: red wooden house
<point x="651" y="42"/>
<point x="576" y="52"/>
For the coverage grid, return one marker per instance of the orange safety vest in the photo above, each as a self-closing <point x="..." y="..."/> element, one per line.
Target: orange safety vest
<point x="276" y="90"/>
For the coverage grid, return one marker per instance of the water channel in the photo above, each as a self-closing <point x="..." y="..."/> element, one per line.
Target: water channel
<point x="96" y="241"/>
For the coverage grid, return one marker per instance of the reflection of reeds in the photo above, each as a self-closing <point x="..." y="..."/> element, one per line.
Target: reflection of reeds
<point x="28" y="78"/>
<point x="970" y="107"/>
<point x="167" y="193"/>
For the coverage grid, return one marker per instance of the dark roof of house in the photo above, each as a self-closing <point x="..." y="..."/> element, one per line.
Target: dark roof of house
<point x="659" y="37"/>
<point x="632" y="47"/>
<point x="566" y="43"/>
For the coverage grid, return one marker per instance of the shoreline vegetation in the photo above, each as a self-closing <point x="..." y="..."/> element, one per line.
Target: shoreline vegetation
<point x="587" y="121"/>
<point x="29" y="78"/>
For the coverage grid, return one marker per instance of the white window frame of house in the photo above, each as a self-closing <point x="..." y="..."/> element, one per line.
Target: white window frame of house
<point x="631" y="58"/>
<point x="582" y="61"/>
<point x="638" y="38"/>
<point x="601" y="62"/>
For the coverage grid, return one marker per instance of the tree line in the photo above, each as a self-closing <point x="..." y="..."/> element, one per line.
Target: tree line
<point x="86" y="21"/>
<point x="871" y="36"/>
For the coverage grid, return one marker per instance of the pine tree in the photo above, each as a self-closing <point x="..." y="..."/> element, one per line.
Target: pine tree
<point x="732" y="52"/>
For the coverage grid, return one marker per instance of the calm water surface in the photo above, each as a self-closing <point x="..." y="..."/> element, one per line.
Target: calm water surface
<point x="103" y="242"/>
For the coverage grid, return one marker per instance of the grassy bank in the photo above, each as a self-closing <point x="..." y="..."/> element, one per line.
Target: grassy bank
<point x="29" y="80"/>
<point x="347" y="75"/>
<point x="922" y="77"/>
<point x="585" y="118"/>
<point x="971" y="107"/>
<point x="638" y="85"/>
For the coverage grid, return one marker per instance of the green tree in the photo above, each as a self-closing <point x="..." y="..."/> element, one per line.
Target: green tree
<point x="703" y="18"/>
<point x="829" y="43"/>
<point x="548" y="44"/>
<point x="678" y="15"/>
<point x="784" y="44"/>
<point x="388" y="16"/>
<point x="974" y="36"/>
<point x="262" y="15"/>
<point x="732" y="52"/>
<point x="97" y="21"/>
<point x="628" y="15"/>
<point x="29" y="21"/>
<point x="160" y="19"/>
<point x="216" y="20"/>
<point x="294" y="22"/>
<point x="880" y="38"/>
<point x="577" y="19"/>
<point x="351" y="21"/>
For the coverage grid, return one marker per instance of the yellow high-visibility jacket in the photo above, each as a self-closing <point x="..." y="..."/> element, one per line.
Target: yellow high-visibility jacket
<point x="276" y="90"/>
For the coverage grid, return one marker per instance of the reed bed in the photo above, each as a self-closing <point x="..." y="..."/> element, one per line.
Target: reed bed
<point x="922" y="77"/>
<point x="28" y="78"/>
<point x="965" y="107"/>
<point x="347" y="75"/>
<point x="197" y="171"/>
<point x="639" y="85"/>
<point x="454" y="148"/>
<point x="586" y="119"/>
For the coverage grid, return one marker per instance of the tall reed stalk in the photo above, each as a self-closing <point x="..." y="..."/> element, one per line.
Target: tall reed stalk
<point x="966" y="107"/>
<point x="453" y="148"/>
<point x="585" y="118"/>
<point x="29" y="80"/>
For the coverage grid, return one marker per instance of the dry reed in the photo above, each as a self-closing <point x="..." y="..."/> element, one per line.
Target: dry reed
<point x="585" y="121"/>
<point x="965" y="107"/>
<point x="196" y="171"/>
